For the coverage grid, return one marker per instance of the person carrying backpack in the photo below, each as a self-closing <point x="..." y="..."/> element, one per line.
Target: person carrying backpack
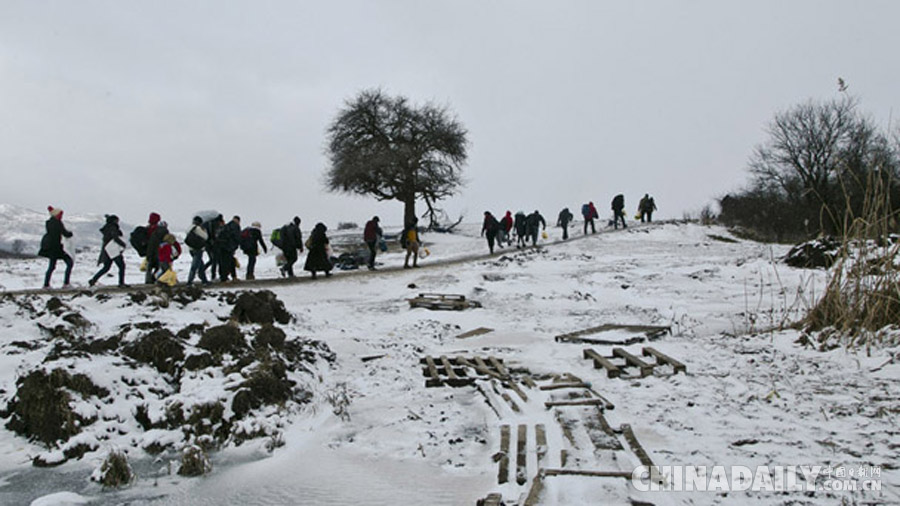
<point x="563" y="220"/>
<point x="251" y="237"/>
<point x="520" y="229"/>
<point x="291" y="241"/>
<point x="111" y="252"/>
<point x="646" y="208"/>
<point x="409" y="239"/>
<point x="589" y="213"/>
<point x="213" y="227"/>
<point x="52" y="246"/>
<point x="156" y="230"/>
<point x="317" y="258"/>
<point x="372" y="235"/>
<point x="533" y="226"/>
<point x="490" y="226"/>
<point x="197" y="239"/>
<point x="618" y="206"/>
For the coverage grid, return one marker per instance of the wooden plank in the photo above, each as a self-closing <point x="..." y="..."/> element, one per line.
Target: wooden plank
<point x="649" y="331"/>
<point x="521" y="463"/>
<point x="503" y="474"/>
<point x="448" y="369"/>
<point x="528" y="381"/>
<point x="636" y="447"/>
<point x="540" y="438"/>
<point x="563" y="458"/>
<point x="662" y="358"/>
<point x="498" y="365"/>
<point x="601" y="434"/>
<point x="645" y="368"/>
<point x="435" y="379"/>
<point x="557" y="386"/>
<point x="511" y="402"/>
<point x="479" y="366"/>
<point x="512" y="385"/>
<point x="612" y="370"/>
<point x="576" y="402"/>
<point x="475" y="332"/>
<point x="491" y="500"/>
<point x="534" y="493"/>
<point x="581" y="472"/>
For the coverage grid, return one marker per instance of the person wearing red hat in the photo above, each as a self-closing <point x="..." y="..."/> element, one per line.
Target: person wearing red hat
<point x="52" y="247"/>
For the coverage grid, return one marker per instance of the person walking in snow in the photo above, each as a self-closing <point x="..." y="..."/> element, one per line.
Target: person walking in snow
<point x="520" y="229"/>
<point x="506" y="225"/>
<point x="589" y="213"/>
<point x="156" y="230"/>
<point x="491" y="227"/>
<point x="251" y="239"/>
<point x="196" y="239"/>
<point x="213" y="227"/>
<point x="169" y="250"/>
<point x="372" y="236"/>
<point x="563" y="220"/>
<point x="317" y="259"/>
<point x="52" y="246"/>
<point x="646" y="208"/>
<point x="409" y="240"/>
<point x="111" y="251"/>
<point x="533" y="225"/>
<point x="227" y="242"/>
<point x="291" y="241"/>
<point x="618" y="206"/>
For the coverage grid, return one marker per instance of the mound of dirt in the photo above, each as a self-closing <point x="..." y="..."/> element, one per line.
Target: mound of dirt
<point x="820" y="253"/>
<point x="259" y="307"/>
<point x="269" y="336"/>
<point x="267" y="384"/>
<point x="41" y="409"/>
<point x="159" y="348"/>
<point x="223" y="339"/>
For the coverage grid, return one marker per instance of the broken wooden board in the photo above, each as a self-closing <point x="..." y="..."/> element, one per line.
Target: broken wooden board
<point x="621" y="361"/>
<point x="475" y="332"/>
<point x="461" y="371"/>
<point x="648" y="333"/>
<point x="662" y="358"/>
<point x="441" y="301"/>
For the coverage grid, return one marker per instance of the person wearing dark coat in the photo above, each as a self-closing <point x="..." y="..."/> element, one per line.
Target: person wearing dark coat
<point x="565" y="217"/>
<point x="198" y="268"/>
<point x="291" y="241"/>
<point x="491" y="227"/>
<point x="506" y="225"/>
<point x="111" y="235"/>
<point x="52" y="247"/>
<point x="646" y="208"/>
<point x="227" y="243"/>
<point x="589" y="213"/>
<point x="520" y="229"/>
<point x="371" y="235"/>
<point x="213" y="227"/>
<point x="249" y="245"/>
<point x="156" y="230"/>
<point x="317" y="258"/>
<point x="618" y="206"/>
<point x="533" y="224"/>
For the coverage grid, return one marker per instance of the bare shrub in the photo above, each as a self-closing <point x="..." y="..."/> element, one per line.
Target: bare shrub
<point x="114" y="472"/>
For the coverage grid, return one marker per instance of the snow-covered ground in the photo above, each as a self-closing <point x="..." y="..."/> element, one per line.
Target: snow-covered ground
<point x="751" y="396"/>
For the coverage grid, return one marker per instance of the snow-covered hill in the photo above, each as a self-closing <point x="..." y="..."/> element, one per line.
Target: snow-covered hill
<point x="23" y="228"/>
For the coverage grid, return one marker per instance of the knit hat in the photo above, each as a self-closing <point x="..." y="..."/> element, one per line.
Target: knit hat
<point x="55" y="212"/>
<point x="154" y="219"/>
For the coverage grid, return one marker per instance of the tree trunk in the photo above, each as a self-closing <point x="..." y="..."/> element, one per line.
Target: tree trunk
<point x="409" y="210"/>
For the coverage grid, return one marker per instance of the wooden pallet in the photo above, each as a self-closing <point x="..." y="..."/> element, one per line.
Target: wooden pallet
<point x="441" y="301"/>
<point x="461" y="371"/>
<point x="621" y="362"/>
<point x="645" y="333"/>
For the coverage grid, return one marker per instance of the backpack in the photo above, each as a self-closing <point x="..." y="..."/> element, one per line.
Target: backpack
<point x="194" y="241"/>
<point x="275" y="238"/>
<point x="586" y="211"/>
<point x="139" y="240"/>
<point x="404" y="237"/>
<point x="248" y="242"/>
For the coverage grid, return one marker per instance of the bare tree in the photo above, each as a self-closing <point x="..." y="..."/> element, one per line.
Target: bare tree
<point x="387" y="148"/>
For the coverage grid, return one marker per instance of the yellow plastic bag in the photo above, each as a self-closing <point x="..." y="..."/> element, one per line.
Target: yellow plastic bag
<point x="637" y="216"/>
<point x="425" y="252"/>
<point x="144" y="265"/>
<point x="168" y="278"/>
<point x="544" y="235"/>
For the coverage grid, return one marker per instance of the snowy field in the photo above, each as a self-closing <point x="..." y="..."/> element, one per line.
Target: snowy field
<point x="750" y="396"/>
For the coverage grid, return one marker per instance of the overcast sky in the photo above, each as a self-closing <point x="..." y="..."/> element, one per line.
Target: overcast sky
<point x="126" y="107"/>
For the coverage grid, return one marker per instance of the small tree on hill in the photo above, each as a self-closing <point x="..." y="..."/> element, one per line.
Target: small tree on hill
<point x="392" y="150"/>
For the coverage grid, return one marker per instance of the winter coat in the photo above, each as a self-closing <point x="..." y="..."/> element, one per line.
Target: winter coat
<point x="564" y="218"/>
<point x="507" y="223"/>
<point x="229" y="238"/>
<point x="520" y="223"/>
<point x="155" y="234"/>
<point x="490" y="225"/>
<point x="618" y="203"/>
<point x="200" y="232"/>
<point x="250" y="246"/>
<point x="111" y="232"/>
<point x="647" y="205"/>
<point x="51" y="243"/>
<point x="534" y="221"/>
<point x="291" y="239"/>
<point x="169" y="252"/>
<point x="372" y="232"/>
<point x="317" y="258"/>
